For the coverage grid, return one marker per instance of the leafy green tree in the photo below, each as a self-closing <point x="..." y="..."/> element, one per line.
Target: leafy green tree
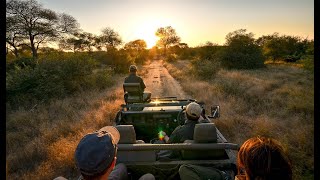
<point x="241" y="52"/>
<point x="168" y="37"/>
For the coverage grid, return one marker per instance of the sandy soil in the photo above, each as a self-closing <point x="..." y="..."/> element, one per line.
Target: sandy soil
<point x="160" y="83"/>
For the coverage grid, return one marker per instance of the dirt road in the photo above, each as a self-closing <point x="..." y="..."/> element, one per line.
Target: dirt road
<point x="160" y="83"/>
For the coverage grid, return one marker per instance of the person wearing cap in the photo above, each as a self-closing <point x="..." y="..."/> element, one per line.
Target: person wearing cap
<point x="134" y="78"/>
<point x="95" y="157"/>
<point x="184" y="132"/>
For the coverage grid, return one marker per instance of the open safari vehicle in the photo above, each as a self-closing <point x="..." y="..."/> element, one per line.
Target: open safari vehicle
<point x="139" y="123"/>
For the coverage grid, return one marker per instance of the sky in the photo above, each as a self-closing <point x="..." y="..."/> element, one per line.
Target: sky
<point x="195" y="21"/>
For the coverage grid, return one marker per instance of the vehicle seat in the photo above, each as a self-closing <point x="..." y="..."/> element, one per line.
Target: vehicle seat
<point x="132" y="93"/>
<point x="128" y="135"/>
<point x="204" y="133"/>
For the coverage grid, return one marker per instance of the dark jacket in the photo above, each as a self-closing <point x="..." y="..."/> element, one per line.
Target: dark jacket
<point x="133" y="78"/>
<point x="182" y="133"/>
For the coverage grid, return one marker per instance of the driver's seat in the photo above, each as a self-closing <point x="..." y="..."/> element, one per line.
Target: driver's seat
<point x="132" y="93"/>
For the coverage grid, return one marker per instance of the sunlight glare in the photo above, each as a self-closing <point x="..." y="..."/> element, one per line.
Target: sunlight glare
<point x="147" y="33"/>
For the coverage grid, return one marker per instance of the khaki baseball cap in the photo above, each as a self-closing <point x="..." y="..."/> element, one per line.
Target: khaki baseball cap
<point x="194" y="110"/>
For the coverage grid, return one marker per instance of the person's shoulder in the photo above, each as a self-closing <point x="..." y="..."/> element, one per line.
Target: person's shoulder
<point x="177" y="129"/>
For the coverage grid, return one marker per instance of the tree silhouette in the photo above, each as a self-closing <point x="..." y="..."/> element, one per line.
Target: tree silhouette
<point x="168" y="37"/>
<point x="108" y="39"/>
<point x="35" y="25"/>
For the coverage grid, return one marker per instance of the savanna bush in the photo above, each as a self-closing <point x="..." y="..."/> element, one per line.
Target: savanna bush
<point x="171" y="57"/>
<point x="54" y="76"/>
<point x="21" y="62"/>
<point x="241" y="52"/>
<point x="308" y="62"/>
<point x="205" y="68"/>
<point x="206" y="52"/>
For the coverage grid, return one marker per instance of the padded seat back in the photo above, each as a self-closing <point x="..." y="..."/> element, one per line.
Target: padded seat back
<point x="204" y="133"/>
<point x="128" y="136"/>
<point x="133" y="92"/>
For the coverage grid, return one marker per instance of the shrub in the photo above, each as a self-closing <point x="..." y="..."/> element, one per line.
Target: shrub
<point x="241" y="51"/>
<point x="308" y="62"/>
<point x="171" y="57"/>
<point x="54" y="77"/>
<point x="21" y="63"/>
<point x="205" y="68"/>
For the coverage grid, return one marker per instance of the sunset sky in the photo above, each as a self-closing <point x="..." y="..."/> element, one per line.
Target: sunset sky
<point x="195" y="21"/>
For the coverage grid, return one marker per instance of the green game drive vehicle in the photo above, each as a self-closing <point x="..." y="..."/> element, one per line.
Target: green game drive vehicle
<point x="139" y="123"/>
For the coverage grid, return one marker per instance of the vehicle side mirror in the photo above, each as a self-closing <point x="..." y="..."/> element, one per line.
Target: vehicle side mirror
<point x="215" y="112"/>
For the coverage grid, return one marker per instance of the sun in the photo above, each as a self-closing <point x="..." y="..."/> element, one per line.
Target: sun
<point x="147" y="33"/>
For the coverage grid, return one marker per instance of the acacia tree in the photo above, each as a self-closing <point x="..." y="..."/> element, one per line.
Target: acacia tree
<point x="13" y="37"/>
<point x="168" y="37"/>
<point x="108" y="39"/>
<point x="80" y="41"/>
<point x="36" y="25"/>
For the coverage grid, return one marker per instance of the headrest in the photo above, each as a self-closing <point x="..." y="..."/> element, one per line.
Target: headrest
<point x="205" y="133"/>
<point x="127" y="134"/>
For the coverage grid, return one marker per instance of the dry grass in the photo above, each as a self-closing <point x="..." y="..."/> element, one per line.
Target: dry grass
<point x="40" y="144"/>
<point x="277" y="102"/>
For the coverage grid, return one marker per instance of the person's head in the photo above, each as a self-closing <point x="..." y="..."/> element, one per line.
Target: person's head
<point x="193" y="111"/>
<point x="95" y="155"/>
<point x="133" y="69"/>
<point x="262" y="158"/>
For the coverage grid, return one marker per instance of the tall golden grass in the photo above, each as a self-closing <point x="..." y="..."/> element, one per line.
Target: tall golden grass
<point x="40" y="143"/>
<point x="277" y="102"/>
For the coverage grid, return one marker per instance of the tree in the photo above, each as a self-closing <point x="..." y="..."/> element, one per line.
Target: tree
<point x="168" y="37"/>
<point x="68" y="24"/>
<point x="138" y="45"/>
<point x="108" y="39"/>
<point x="81" y="41"/>
<point x="241" y="52"/>
<point x="13" y="37"/>
<point x="137" y="50"/>
<point x="289" y="48"/>
<point x="36" y="25"/>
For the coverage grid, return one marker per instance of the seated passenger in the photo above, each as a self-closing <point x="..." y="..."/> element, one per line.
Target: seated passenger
<point x="95" y="157"/>
<point x="134" y="78"/>
<point x="184" y="132"/>
<point x="263" y="158"/>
